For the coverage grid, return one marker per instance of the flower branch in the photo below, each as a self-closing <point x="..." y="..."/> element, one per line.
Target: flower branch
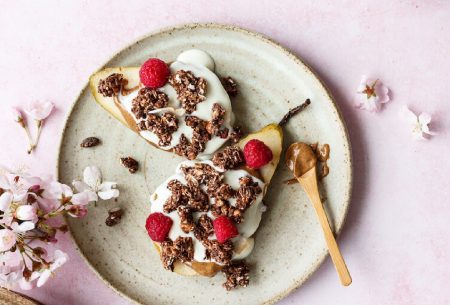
<point x="27" y="204"/>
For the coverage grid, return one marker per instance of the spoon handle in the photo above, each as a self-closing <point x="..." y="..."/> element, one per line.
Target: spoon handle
<point x="309" y="184"/>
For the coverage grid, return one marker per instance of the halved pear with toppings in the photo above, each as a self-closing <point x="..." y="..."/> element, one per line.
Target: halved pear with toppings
<point x="272" y="136"/>
<point x="109" y="103"/>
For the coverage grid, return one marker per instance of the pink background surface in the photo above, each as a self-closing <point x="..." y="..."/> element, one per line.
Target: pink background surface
<point x="396" y="238"/>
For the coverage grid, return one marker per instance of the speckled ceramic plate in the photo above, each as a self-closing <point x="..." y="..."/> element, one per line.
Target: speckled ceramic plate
<point x="289" y="243"/>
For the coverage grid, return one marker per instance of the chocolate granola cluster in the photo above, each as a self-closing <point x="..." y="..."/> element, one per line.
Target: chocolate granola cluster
<point x="214" y="127"/>
<point x="181" y="249"/>
<point x="202" y="132"/>
<point x="186" y="195"/>
<point x="221" y="253"/>
<point x="148" y="100"/>
<point x="247" y="193"/>
<point x="204" y="227"/>
<point x="237" y="274"/>
<point x="231" y="157"/>
<point x="236" y="134"/>
<point x="111" y="85"/>
<point x="245" y="196"/>
<point x="190" y="89"/>
<point x="163" y="126"/>
<point x="230" y="86"/>
<point x="186" y="219"/>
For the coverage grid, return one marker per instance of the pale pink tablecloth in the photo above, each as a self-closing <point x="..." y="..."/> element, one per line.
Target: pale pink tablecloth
<point x="396" y="239"/>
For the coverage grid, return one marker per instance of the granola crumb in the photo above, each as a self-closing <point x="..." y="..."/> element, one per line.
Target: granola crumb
<point x="237" y="274"/>
<point x="131" y="164"/>
<point x="90" y="142"/>
<point x="230" y="85"/>
<point x="236" y="134"/>
<point x="114" y="216"/>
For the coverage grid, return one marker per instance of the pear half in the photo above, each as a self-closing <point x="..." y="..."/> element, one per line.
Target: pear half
<point x="109" y="103"/>
<point x="272" y="136"/>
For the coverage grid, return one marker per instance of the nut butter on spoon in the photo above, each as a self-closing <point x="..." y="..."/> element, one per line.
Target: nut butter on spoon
<point x="301" y="160"/>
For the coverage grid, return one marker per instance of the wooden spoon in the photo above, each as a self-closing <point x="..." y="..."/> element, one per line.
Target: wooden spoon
<point x="302" y="161"/>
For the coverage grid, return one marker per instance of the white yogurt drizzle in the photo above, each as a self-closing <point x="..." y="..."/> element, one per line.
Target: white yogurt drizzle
<point x="252" y="216"/>
<point x="201" y="64"/>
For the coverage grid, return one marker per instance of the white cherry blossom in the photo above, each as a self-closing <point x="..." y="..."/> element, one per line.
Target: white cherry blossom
<point x="418" y="124"/>
<point x="93" y="186"/>
<point x="59" y="260"/>
<point x="39" y="110"/>
<point x="371" y="94"/>
<point x="65" y="194"/>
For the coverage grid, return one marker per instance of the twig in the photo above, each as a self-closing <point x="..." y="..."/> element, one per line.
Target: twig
<point x="39" y="124"/>
<point x="293" y="112"/>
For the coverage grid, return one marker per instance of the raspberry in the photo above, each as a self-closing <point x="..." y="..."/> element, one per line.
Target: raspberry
<point x="154" y="73"/>
<point x="224" y="229"/>
<point x="158" y="226"/>
<point x="257" y="154"/>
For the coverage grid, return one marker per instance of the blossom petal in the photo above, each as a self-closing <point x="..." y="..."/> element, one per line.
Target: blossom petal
<point x="16" y="114"/>
<point x="92" y="176"/>
<point x="382" y="93"/>
<point x="107" y="190"/>
<point x="112" y="193"/>
<point x="45" y="275"/>
<point x="92" y="196"/>
<point x="362" y="83"/>
<point x="5" y="201"/>
<point x="57" y="190"/>
<point x="424" y="118"/>
<point x="80" y="186"/>
<point x="26" y="212"/>
<point x="40" y="110"/>
<point x="23" y="227"/>
<point x="59" y="260"/>
<point x="107" y="185"/>
<point x="80" y="198"/>
<point x="7" y="239"/>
